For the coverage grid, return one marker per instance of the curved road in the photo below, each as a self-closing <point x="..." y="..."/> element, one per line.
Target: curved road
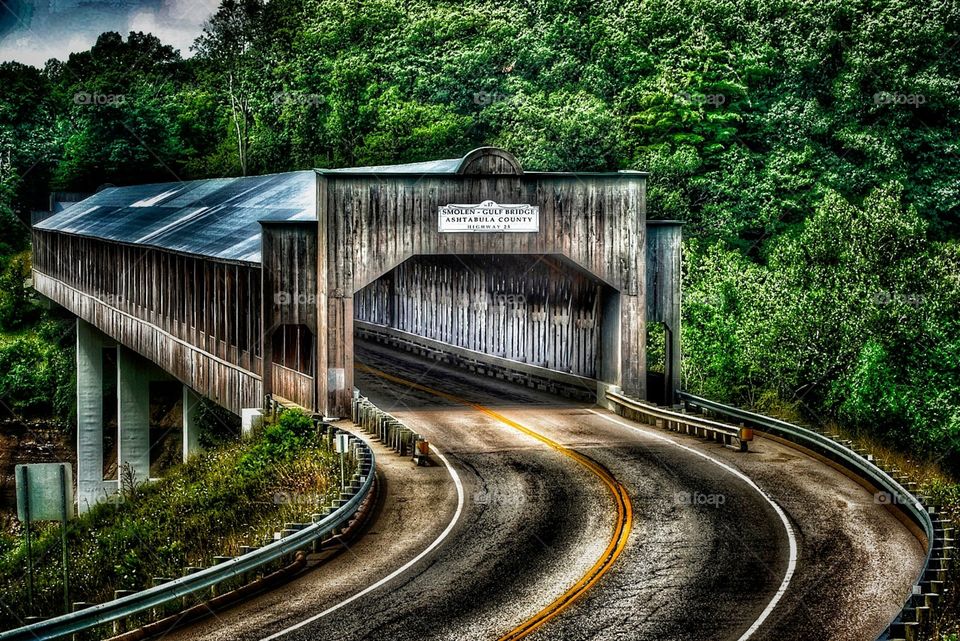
<point x="706" y="555"/>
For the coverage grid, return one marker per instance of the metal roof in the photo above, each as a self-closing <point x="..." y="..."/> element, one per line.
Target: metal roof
<point x="447" y="166"/>
<point x="219" y="217"/>
<point x="216" y="217"/>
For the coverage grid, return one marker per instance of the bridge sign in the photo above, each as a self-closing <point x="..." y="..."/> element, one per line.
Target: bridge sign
<point x="488" y="216"/>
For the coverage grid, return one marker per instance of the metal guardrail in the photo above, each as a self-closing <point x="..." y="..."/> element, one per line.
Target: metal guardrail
<point x="914" y="618"/>
<point x="388" y="429"/>
<point x="349" y="503"/>
<point x="682" y="422"/>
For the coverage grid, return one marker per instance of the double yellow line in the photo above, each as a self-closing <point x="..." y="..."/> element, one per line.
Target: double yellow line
<point x="621" y="530"/>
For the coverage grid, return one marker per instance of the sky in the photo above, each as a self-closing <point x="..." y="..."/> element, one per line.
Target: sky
<point x="33" y="31"/>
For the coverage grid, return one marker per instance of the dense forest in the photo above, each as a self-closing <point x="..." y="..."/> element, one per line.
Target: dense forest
<point x="812" y="148"/>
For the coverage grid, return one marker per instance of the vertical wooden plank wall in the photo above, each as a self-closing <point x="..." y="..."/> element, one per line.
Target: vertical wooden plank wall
<point x="663" y="293"/>
<point x="289" y="272"/>
<point x="181" y="311"/>
<point x="530" y="309"/>
<point x="371" y="223"/>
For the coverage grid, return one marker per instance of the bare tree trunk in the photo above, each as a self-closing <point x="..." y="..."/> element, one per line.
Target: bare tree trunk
<point x="239" y="112"/>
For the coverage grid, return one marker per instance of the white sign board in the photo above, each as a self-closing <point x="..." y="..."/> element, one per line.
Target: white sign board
<point x="343" y="443"/>
<point x="45" y="490"/>
<point x="488" y="216"/>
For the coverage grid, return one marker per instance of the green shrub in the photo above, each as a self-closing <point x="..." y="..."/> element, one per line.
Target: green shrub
<point x="16" y="308"/>
<point x="279" y="441"/>
<point x="37" y="373"/>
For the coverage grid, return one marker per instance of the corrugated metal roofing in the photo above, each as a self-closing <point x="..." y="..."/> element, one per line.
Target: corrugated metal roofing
<point x="217" y="217"/>
<point x="448" y="166"/>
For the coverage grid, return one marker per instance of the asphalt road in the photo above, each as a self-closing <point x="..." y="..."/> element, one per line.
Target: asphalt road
<point x="706" y="556"/>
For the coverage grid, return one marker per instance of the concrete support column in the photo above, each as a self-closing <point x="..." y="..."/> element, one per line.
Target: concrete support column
<point x="134" y="374"/>
<point x="191" y="433"/>
<point x="90" y="345"/>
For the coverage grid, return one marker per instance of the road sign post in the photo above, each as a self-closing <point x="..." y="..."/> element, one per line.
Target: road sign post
<point x="45" y="493"/>
<point x="63" y="536"/>
<point x="24" y="479"/>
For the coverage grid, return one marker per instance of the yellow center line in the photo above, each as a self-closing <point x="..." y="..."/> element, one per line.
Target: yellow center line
<point x="621" y="530"/>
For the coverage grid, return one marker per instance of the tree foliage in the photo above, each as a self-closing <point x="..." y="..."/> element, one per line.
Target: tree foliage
<point x="852" y="316"/>
<point x="810" y="146"/>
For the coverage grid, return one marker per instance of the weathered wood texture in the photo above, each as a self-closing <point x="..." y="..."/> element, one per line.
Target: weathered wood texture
<point x="543" y="378"/>
<point x="374" y="224"/>
<point x="198" y="319"/>
<point x="289" y="266"/>
<point x="663" y="294"/>
<point x="292" y="385"/>
<point x="223" y="382"/>
<point x="214" y="323"/>
<point x="369" y="224"/>
<point x="530" y="309"/>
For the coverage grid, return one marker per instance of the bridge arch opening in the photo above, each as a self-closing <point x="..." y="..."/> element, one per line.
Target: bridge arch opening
<point x="537" y="317"/>
<point x="370" y="221"/>
<point x="293" y="362"/>
<point x="216" y="271"/>
<point x="660" y="343"/>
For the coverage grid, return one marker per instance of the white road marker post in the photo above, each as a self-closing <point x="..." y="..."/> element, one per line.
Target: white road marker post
<point x="343" y="442"/>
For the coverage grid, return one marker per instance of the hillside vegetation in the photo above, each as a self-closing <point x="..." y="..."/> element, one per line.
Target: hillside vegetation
<point x="237" y="494"/>
<point x="811" y="147"/>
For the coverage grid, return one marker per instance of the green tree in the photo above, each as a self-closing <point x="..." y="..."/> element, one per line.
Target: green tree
<point x="234" y="63"/>
<point x="119" y="120"/>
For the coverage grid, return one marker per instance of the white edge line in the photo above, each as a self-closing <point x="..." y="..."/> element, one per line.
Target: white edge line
<point x="403" y="568"/>
<point x="791" y="566"/>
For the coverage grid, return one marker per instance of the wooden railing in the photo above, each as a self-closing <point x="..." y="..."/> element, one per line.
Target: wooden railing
<point x="293" y="386"/>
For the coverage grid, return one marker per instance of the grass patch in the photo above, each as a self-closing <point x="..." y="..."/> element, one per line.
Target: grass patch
<point x="236" y="495"/>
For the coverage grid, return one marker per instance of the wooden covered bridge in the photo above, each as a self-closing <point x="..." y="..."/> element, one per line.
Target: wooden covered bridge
<point x="241" y="288"/>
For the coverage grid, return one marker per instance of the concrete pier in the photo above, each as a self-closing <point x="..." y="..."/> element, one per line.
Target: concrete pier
<point x="191" y="434"/>
<point x="133" y="419"/>
<point x="134" y="376"/>
<point x="90" y="345"/>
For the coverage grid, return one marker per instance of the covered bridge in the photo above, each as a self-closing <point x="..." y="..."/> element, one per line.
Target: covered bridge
<point x="241" y="288"/>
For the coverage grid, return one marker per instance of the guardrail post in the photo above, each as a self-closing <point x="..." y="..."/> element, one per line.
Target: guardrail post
<point x="119" y="625"/>
<point x="187" y="571"/>
<point x="421" y="451"/>
<point x="157" y="612"/>
<point x="77" y="606"/>
<point x="217" y="560"/>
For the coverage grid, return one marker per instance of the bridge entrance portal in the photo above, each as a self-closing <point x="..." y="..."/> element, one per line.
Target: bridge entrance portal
<point x="538" y="318"/>
<point x="438" y="251"/>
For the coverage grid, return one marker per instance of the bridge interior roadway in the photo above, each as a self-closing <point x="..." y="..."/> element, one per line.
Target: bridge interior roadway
<point x="695" y="567"/>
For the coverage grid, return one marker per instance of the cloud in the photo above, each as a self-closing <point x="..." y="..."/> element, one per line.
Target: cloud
<point x="39" y="30"/>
